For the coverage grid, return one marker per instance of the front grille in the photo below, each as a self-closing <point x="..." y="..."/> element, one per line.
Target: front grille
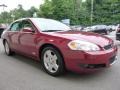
<point x="108" y="47"/>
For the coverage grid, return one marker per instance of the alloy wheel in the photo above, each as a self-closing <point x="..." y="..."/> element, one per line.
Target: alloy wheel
<point x="50" y="61"/>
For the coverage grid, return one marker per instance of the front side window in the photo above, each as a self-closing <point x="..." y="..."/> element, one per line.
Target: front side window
<point x="26" y="24"/>
<point x="15" y="26"/>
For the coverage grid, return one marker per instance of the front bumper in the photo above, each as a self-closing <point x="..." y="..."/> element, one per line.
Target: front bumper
<point x="98" y="66"/>
<point x="89" y="61"/>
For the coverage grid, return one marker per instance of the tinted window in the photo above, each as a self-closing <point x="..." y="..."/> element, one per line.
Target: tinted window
<point x="15" y="27"/>
<point x="26" y="24"/>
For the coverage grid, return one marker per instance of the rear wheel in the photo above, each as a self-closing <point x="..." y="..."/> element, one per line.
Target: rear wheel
<point x="52" y="61"/>
<point x="7" y="49"/>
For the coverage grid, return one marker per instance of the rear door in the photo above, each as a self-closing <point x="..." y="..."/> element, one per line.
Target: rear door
<point x="13" y="35"/>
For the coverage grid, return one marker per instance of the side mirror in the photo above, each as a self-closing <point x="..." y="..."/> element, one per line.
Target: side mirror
<point x="28" y="29"/>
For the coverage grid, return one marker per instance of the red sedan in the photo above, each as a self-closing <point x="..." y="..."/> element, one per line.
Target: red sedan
<point x="57" y="46"/>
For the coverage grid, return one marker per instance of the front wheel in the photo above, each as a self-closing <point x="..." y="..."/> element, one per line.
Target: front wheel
<point x="52" y="61"/>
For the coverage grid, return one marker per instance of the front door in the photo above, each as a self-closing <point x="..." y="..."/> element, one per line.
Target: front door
<point x="27" y="39"/>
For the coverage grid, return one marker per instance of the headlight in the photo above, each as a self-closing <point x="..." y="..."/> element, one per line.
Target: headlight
<point x="83" y="45"/>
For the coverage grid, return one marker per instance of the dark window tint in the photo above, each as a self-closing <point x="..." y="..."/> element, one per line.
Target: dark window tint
<point x="26" y="24"/>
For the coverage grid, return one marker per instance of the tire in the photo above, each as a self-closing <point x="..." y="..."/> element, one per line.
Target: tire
<point x="52" y="61"/>
<point x="7" y="49"/>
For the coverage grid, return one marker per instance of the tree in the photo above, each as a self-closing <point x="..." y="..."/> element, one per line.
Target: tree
<point x="104" y="11"/>
<point x="62" y="9"/>
<point x="46" y="9"/>
<point x="31" y="11"/>
<point x="19" y="12"/>
<point x="5" y="17"/>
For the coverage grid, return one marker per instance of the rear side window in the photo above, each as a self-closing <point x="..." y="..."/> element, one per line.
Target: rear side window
<point x="15" y="26"/>
<point x="25" y="24"/>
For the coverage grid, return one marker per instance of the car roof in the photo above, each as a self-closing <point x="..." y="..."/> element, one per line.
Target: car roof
<point x="31" y="19"/>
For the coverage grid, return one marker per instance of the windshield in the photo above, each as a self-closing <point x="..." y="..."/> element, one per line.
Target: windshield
<point x="50" y="25"/>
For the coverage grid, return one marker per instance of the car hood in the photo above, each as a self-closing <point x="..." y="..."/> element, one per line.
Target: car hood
<point x="86" y="36"/>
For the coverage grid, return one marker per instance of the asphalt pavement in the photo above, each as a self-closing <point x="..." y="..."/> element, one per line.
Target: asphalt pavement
<point x="21" y="73"/>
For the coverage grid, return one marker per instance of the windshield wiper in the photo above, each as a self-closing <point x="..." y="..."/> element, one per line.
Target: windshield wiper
<point x="51" y="30"/>
<point x="70" y="30"/>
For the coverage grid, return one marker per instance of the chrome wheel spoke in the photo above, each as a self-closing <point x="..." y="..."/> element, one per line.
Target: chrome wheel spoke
<point x="48" y="53"/>
<point x="54" y="58"/>
<point x="46" y="60"/>
<point x="50" y="68"/>
<point x="55" y="66"/>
